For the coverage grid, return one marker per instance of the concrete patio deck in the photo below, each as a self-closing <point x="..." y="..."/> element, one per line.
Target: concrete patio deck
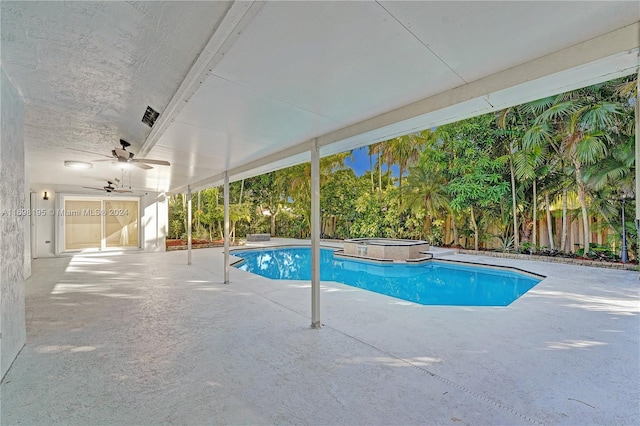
<point x="142" y="338"/>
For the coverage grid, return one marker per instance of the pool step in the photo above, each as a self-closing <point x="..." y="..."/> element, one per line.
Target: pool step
<point x="428" y="256"/>
<point x="440" y="252"/>
<point x="341" y="253"/>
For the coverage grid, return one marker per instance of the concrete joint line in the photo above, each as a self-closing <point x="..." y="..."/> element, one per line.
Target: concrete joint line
<point x="442" y="379"/>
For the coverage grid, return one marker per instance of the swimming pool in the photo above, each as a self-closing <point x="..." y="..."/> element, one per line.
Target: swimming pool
<point x="431" y="283"/>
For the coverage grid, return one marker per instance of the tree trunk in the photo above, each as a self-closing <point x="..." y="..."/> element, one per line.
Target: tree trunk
<point x="371" y="170"/>
<point x="582" y="197"/>
<point x="379" y="179"/>
<point x="198" y="223"/>
<point x="400" y="189"/>
<point x="516" y="231"/>
<point x="549" y="226"/>
<point x="427" y="227"/>
<point x="474" y="225"/>
<point x="563" y="242"/>
<point x="535" y="215"/>
<point x="184" y="211"/>
<point x="273" y="225"/>
<point x="456" y="237"/>
<point x="401" y="221"/>
<point x="241" y="191"/>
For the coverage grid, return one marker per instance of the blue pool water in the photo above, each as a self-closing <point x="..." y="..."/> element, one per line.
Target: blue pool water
<point x="431" y="283"/>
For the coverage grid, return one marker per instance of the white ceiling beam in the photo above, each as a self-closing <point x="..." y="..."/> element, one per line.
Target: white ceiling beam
<point x="278" y="160"/>
<point x="621" y="40"/>
<point x="237" y="18"/>
<point x="461" y="102"/>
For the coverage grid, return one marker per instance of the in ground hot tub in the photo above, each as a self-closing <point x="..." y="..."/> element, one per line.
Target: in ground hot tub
<point x="385" y="248"/>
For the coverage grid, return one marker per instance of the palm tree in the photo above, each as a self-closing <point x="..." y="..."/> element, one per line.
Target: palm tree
<point x="238" y="212"/>
<point x="297" y="181"/>
<point x="575" y="126"/>
<point x="376" y="149"/>
<point x="427" y="191"/>
<point x="403" y="151"/>
<point x="508" y="120"/>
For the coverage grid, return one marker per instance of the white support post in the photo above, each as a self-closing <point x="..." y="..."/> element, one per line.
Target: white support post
<point x="189" y="225"/>
<point x="226" y="227"/>
<point x="315" y="235"/>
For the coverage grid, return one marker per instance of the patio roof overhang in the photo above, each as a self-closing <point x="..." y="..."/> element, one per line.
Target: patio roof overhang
<point x="245" y="87"/>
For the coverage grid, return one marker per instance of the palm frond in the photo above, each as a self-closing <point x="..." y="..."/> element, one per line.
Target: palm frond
<point x="590" y="149"/>
<point x="557" y="111"/>
<point x="536" y="135"/>
<point x="628" y="88"/>
<point x="600" y="115"/>
<point x="607" y="172"/>
<point x="538" y="106"/>
<point x="625" y="152"/>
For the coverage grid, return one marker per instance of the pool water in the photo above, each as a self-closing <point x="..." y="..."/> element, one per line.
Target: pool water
<point x="430" y="283"/>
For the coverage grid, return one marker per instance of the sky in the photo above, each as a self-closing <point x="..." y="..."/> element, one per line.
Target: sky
<point x="360" y="163"/>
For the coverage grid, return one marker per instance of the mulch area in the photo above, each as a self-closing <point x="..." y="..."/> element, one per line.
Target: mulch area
<point x="568" y="261"/>
<point x="196" y="244"/>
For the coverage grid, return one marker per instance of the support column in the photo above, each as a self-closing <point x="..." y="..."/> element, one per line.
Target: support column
<point x="226" y="227"/>
<point x="189" y="220"/>
<point x="315" y="235"/>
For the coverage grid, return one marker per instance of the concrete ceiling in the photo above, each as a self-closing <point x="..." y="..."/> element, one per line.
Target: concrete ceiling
<point x="245" y="86"/>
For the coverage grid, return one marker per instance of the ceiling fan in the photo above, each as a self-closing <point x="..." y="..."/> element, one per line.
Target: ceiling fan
<point x="109" y="188"/>
<point x="121" y="155"/>
<point x="124" y="156"/>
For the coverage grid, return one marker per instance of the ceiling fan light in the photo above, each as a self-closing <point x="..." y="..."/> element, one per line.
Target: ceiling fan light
<point x="78" y="164"/>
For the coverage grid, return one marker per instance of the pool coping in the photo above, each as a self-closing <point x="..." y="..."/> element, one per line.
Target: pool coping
<point x="381" y="242"/>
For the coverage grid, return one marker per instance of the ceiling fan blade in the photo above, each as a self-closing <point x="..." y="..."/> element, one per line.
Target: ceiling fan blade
<point x="140" y="165"/>
<point x="157" y="162"/>
<point x="91" y="187"/>
<point x="100" y="161"/>
<point x="122" y="190"/>
<point x="89" y="152"/>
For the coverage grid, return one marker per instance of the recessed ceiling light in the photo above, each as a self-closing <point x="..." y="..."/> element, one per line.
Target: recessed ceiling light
<point x="78" y="164"/>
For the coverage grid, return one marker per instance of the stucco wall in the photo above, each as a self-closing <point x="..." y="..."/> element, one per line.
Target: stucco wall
<point x="27" y="225"/>
<point x="12" y="194"/>
<point x="155" y="214"/>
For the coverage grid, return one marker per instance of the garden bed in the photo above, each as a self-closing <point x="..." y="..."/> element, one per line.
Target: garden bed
<point x="565" y="260"/>
<point x="197" y="244"/>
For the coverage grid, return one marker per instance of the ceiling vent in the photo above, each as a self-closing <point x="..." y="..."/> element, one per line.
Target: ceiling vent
<point x="150" y="116"/>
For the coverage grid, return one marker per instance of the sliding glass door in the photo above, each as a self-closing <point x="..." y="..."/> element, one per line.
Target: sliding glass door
<point x="121" y="223"/>
<point x="98" y="223"/>
<point x="82" y="229"/>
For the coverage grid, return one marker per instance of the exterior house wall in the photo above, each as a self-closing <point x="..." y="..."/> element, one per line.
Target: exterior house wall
<point x="12" y="234"/>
